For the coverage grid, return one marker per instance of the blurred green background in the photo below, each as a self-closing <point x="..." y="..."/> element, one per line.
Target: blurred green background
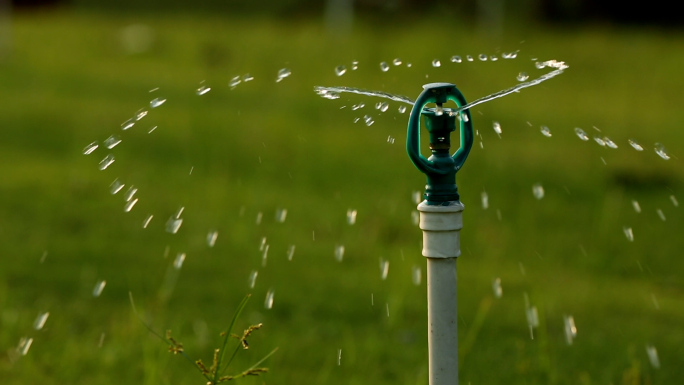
<point x="235" y="157"/>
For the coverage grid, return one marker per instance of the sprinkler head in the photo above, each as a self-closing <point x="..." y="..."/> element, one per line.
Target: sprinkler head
<point x="441" y="167"/>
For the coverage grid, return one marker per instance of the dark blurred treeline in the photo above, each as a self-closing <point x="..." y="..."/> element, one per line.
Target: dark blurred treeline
<point x="654" y="12"/>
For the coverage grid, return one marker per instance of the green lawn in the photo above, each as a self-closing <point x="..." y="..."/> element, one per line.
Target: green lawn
<point x="231" y="156"/>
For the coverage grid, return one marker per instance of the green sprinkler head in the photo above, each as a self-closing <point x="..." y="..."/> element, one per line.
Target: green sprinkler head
<point x="441" y="167"/>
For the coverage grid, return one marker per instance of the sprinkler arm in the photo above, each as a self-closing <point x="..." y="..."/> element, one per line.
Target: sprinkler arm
<point x="441" y="167"/>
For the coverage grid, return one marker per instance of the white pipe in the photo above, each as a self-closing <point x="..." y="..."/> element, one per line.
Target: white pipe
<point x="441" y="227"/>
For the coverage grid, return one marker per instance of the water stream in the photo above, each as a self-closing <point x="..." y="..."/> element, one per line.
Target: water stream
<point x="560" y="67"/>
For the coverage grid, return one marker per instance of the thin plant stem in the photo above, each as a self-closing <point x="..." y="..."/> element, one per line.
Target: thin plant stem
<point x="241" y="306"/>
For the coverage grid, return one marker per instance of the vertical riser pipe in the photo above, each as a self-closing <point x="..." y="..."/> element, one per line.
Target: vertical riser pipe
<point x="441" y="227"/>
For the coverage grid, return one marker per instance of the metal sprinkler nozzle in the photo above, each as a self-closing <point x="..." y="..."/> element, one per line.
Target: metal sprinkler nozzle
<point x="441" y="167"/>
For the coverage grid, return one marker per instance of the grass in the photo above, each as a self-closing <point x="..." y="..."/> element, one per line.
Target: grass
<point x="265" y="146"/>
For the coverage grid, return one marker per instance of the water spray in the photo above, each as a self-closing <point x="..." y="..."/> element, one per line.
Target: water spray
<point x="441" y="218"/>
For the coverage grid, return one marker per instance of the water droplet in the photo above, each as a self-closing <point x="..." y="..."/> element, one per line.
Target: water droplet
<point x="496" y="287"/>
<point x="436" y="63"/>
<point x="355" y="65"/>
<point x="152" y="129"/>
<point x="416" y="275"/>
<point x="358" y="106"/>
<point x="106" y="162"/>
<point x="581" y="134"/>
<point x="532" y="318"/>
<point x="264" y="256"/>
<point x="368" y="120"/>
<point x="383" y="107"/>
<point x="540" y="65"/>
<point x="328" y="94"/>
<point x="456" y="59"/>
<point x="538" y="191"/>
<point x="522" y="76"/>
<point x="415" y="217"/>
<point x="660" y="150"/>
<point x="390" y="139"/>
<point x="609" y="142"/>
<point x="112" y="141"/>
<point x="268" y="302"/>
<point x="545" y="131"/>
<point x="24" y="345"/>
<point x="493" y="58"/>
<point x="140" y="114"/>
<point x="570" y="329"/>
<point x="402" y="109"/>
<point x="130" y="193"/>
<point x="290" y="252"/>
<point x="600" y="141"/>
<point x="384" y="268"/>
<point x="636" y="145"/>
<point x="340" y="70"/>
<point x="173" y="224"/>
<point x="629" y="233"/>
<point x="281" y="215"/>
<point x="661" y="215"/>
<point x="99" y="286"/>
<point x="282" y="74"/>
<point x="247" y="78"/>
<point x="482" y="57"/>
<point x="40" y="320"/>
<point x="674" y="201"/>
<point x="252" y="278"/>
<point x="653" y="356"/>
<point x="129" y="205"/>
<point x="202" y="90"/>
<point x="156" y="102"/>
<point x="259" y="216"/>
<point x="178" y="262"/>
<point x="339" y="357"/>
<point x="351" y="217"/>
<point x="485" y="200"/>
<point x="439" y="110"/>
<point x="339" y="253"/>
<point x="469" y="58"/>
<point x="463" y="116"/>
<point x="396" y="62"/>
<point x="128" y="124"/>
<point x="147" y="220"/>
<point x="417" y="197"/>
<point x="384" y="67"/>
<point x="636" y="206"/>
<point x="90" y="148"/>
<point x="234" y="82"/>
<point x="497" y="128"/>
<point x="262" y="244"/>
<point x="211" y="238"/>
<point x="116" y="186"/>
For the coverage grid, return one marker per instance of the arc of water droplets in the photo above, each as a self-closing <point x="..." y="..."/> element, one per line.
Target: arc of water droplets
<point x="327" y="91"/>
<point x="559" y="66"/>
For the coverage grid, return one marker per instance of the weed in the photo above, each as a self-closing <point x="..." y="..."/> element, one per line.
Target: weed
<point x="216" y="373"/>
